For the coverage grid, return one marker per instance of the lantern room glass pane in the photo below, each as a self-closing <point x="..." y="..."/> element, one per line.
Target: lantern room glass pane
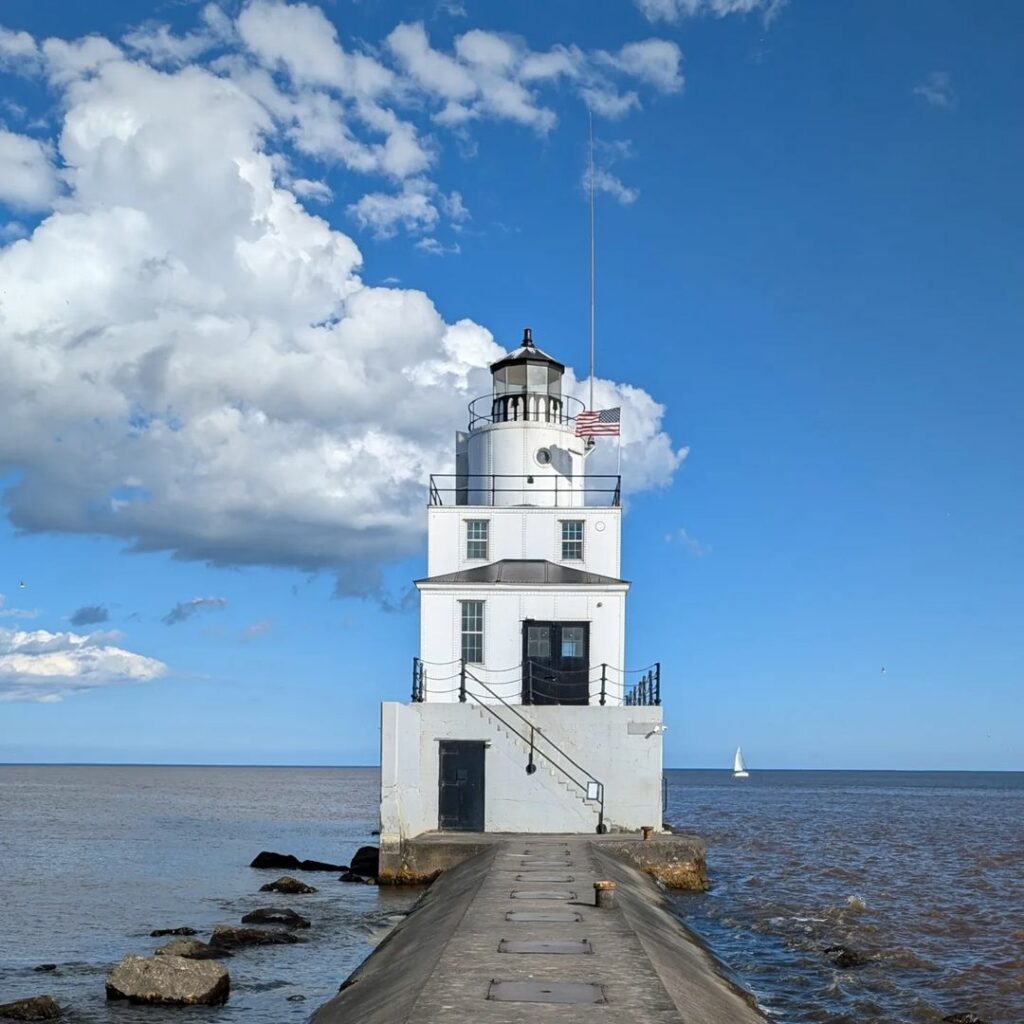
<point x="537" y="378"/>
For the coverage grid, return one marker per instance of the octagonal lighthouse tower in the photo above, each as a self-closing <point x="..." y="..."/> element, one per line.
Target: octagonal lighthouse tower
<point x="524" y="715"/>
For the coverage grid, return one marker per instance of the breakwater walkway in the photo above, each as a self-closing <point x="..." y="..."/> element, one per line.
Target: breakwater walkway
<point x="513" y="934"/>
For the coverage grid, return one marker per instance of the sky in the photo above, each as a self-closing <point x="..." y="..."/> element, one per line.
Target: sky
<point x="255" y="258"/>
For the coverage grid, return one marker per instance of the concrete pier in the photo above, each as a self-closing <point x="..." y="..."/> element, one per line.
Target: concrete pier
<point x="512" y="934"/>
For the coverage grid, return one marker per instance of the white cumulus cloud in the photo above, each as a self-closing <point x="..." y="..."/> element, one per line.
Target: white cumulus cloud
<point x="46" y="667"/>
<point x="193" y="362"/>
<point x="28" y="179"/>
<point x="677" y="10"/>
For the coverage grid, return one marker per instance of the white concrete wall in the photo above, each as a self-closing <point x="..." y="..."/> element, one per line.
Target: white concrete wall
<point x="510" y="450"/>
<point x="505" y="609"/>
<point x="616" y="745"/>
<point x="523" y="533"/>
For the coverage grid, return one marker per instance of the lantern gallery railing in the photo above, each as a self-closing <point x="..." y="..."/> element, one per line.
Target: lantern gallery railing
<point x="529" y="683"/>
<point x="524" y="406"/>
<point x="590" y="491"/>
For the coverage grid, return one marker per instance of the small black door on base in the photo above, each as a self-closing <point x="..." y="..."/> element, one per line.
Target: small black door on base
<point x="461" y="797"/>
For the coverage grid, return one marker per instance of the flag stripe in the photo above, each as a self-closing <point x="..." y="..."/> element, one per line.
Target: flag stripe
<point x="598" y="423"/>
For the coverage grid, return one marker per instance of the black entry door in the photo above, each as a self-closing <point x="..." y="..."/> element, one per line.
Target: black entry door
<point x="461" y="798"/>
<point x="556" y="662"/>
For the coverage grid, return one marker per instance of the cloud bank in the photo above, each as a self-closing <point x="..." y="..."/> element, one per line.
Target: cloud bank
<point x="46" y="667"/>
<point x="192" y="361"/>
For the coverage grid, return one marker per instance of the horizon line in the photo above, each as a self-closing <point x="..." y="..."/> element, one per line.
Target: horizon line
<point x="713" y="768"/>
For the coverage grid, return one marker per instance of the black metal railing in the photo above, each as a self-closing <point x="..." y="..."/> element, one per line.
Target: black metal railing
<point x="491" y="489"/>
<point x="419" y="678"/>
<point x="647" y="691"/>
<point x="533" y="683"/>
<point x="524" y="406"/>
<point x="593" y="788"/>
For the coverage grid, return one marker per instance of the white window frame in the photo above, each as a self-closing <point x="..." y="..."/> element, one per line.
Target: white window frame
<point x="581" y="540"/>
<point x="476" y="540"/>
<point x="463" y="632"/>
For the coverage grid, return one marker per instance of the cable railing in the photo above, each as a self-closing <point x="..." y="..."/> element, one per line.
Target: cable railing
<point x="592" y="787"/>
<point x="534" y="684"/>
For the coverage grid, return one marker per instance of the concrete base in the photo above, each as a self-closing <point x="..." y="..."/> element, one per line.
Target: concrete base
<point x="484" y="933"/>
<point x="677" y="861"/>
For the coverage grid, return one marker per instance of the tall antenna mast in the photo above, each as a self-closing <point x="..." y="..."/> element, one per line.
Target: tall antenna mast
<point x="590" y="116"/>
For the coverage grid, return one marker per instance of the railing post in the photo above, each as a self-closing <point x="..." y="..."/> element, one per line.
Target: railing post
<point x="604" y="683"/>
<point x="657" y="683"/>
<point x="462" y="680"/>
<point x="415" y="677"/>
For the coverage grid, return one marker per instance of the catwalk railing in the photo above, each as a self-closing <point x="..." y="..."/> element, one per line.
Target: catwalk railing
<point x="532" y="683"/>
<point x="545" y="489"/>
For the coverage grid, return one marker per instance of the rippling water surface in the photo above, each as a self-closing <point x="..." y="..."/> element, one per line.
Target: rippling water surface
<point x="923" y="872"/>
<point x="95" y="858"/>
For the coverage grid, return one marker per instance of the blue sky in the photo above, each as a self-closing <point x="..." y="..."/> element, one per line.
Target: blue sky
<point x="808" y="254"/>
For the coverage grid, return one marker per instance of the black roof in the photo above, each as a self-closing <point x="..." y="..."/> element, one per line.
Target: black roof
<point x="524" y="572"/>
<point x="527" y="353"/>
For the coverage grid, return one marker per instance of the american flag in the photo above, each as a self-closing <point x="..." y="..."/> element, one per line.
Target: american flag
<point x="598" y="423"/>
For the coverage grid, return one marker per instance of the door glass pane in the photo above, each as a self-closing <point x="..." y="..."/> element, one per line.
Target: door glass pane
<point x="572" y="642"/>
<point x="538" y="643"/>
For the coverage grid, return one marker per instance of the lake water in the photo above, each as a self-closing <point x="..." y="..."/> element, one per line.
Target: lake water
<point x="922" y="872"/>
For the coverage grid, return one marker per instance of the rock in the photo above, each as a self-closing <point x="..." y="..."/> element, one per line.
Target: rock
<point x="169" y="980"/>
<point x="375" y="832"/>
<point x="287" y="884"/>
<point x="276" y="915"/>
<point x="191" y="949"/>
<point x="297" y="998"/>
<point x="319" y="865"/>
<point x="155" y="934"/>
<point x="349" y="877"/>
<point x="44" y="968"/>
<point x="267" y="859"/>
<point x="963" y="1018"/>
<point x="366" y="862"/>
<point x="232" y="935"/>
<point x="843" y="957"/>
<point x="36" y="1008"/>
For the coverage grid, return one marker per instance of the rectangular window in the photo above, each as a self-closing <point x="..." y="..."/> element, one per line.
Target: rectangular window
<point x="473" y="631"/>
<point x="572" y="642"/>
<point x="477" y="531"/>
<point x="572" y="539"/>
<point x="538" y="643"/>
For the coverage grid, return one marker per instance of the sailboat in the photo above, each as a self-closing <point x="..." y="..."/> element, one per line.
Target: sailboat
<point x="739" y="770"/>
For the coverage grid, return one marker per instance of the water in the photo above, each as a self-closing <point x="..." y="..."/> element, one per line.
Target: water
<point x="94" y="858"/>
<point x="923" y="872"/>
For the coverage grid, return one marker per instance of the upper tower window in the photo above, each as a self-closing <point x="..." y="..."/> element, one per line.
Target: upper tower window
<point x="477" y="536"/>
<point x="572" y="539"/>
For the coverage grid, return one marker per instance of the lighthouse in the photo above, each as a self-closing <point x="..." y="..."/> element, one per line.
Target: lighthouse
<point x="525" y="715"/>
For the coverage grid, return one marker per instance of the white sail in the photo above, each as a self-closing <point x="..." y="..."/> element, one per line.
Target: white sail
<point x="738" y="768"/>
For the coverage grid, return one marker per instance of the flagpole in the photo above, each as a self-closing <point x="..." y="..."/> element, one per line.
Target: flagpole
<point x="590" y="116"/>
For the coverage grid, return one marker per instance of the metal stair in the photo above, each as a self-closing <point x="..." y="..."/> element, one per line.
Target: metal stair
<point x="516" y="741"/>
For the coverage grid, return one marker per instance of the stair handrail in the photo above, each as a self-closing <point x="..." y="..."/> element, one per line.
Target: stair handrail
<point x="465" y="692"/>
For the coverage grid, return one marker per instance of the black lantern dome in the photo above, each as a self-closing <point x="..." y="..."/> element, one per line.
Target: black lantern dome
<point x="527" y="385"/>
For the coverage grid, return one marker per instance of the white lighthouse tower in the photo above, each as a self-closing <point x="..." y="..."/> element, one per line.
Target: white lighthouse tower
<point x="524" y="715"/>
